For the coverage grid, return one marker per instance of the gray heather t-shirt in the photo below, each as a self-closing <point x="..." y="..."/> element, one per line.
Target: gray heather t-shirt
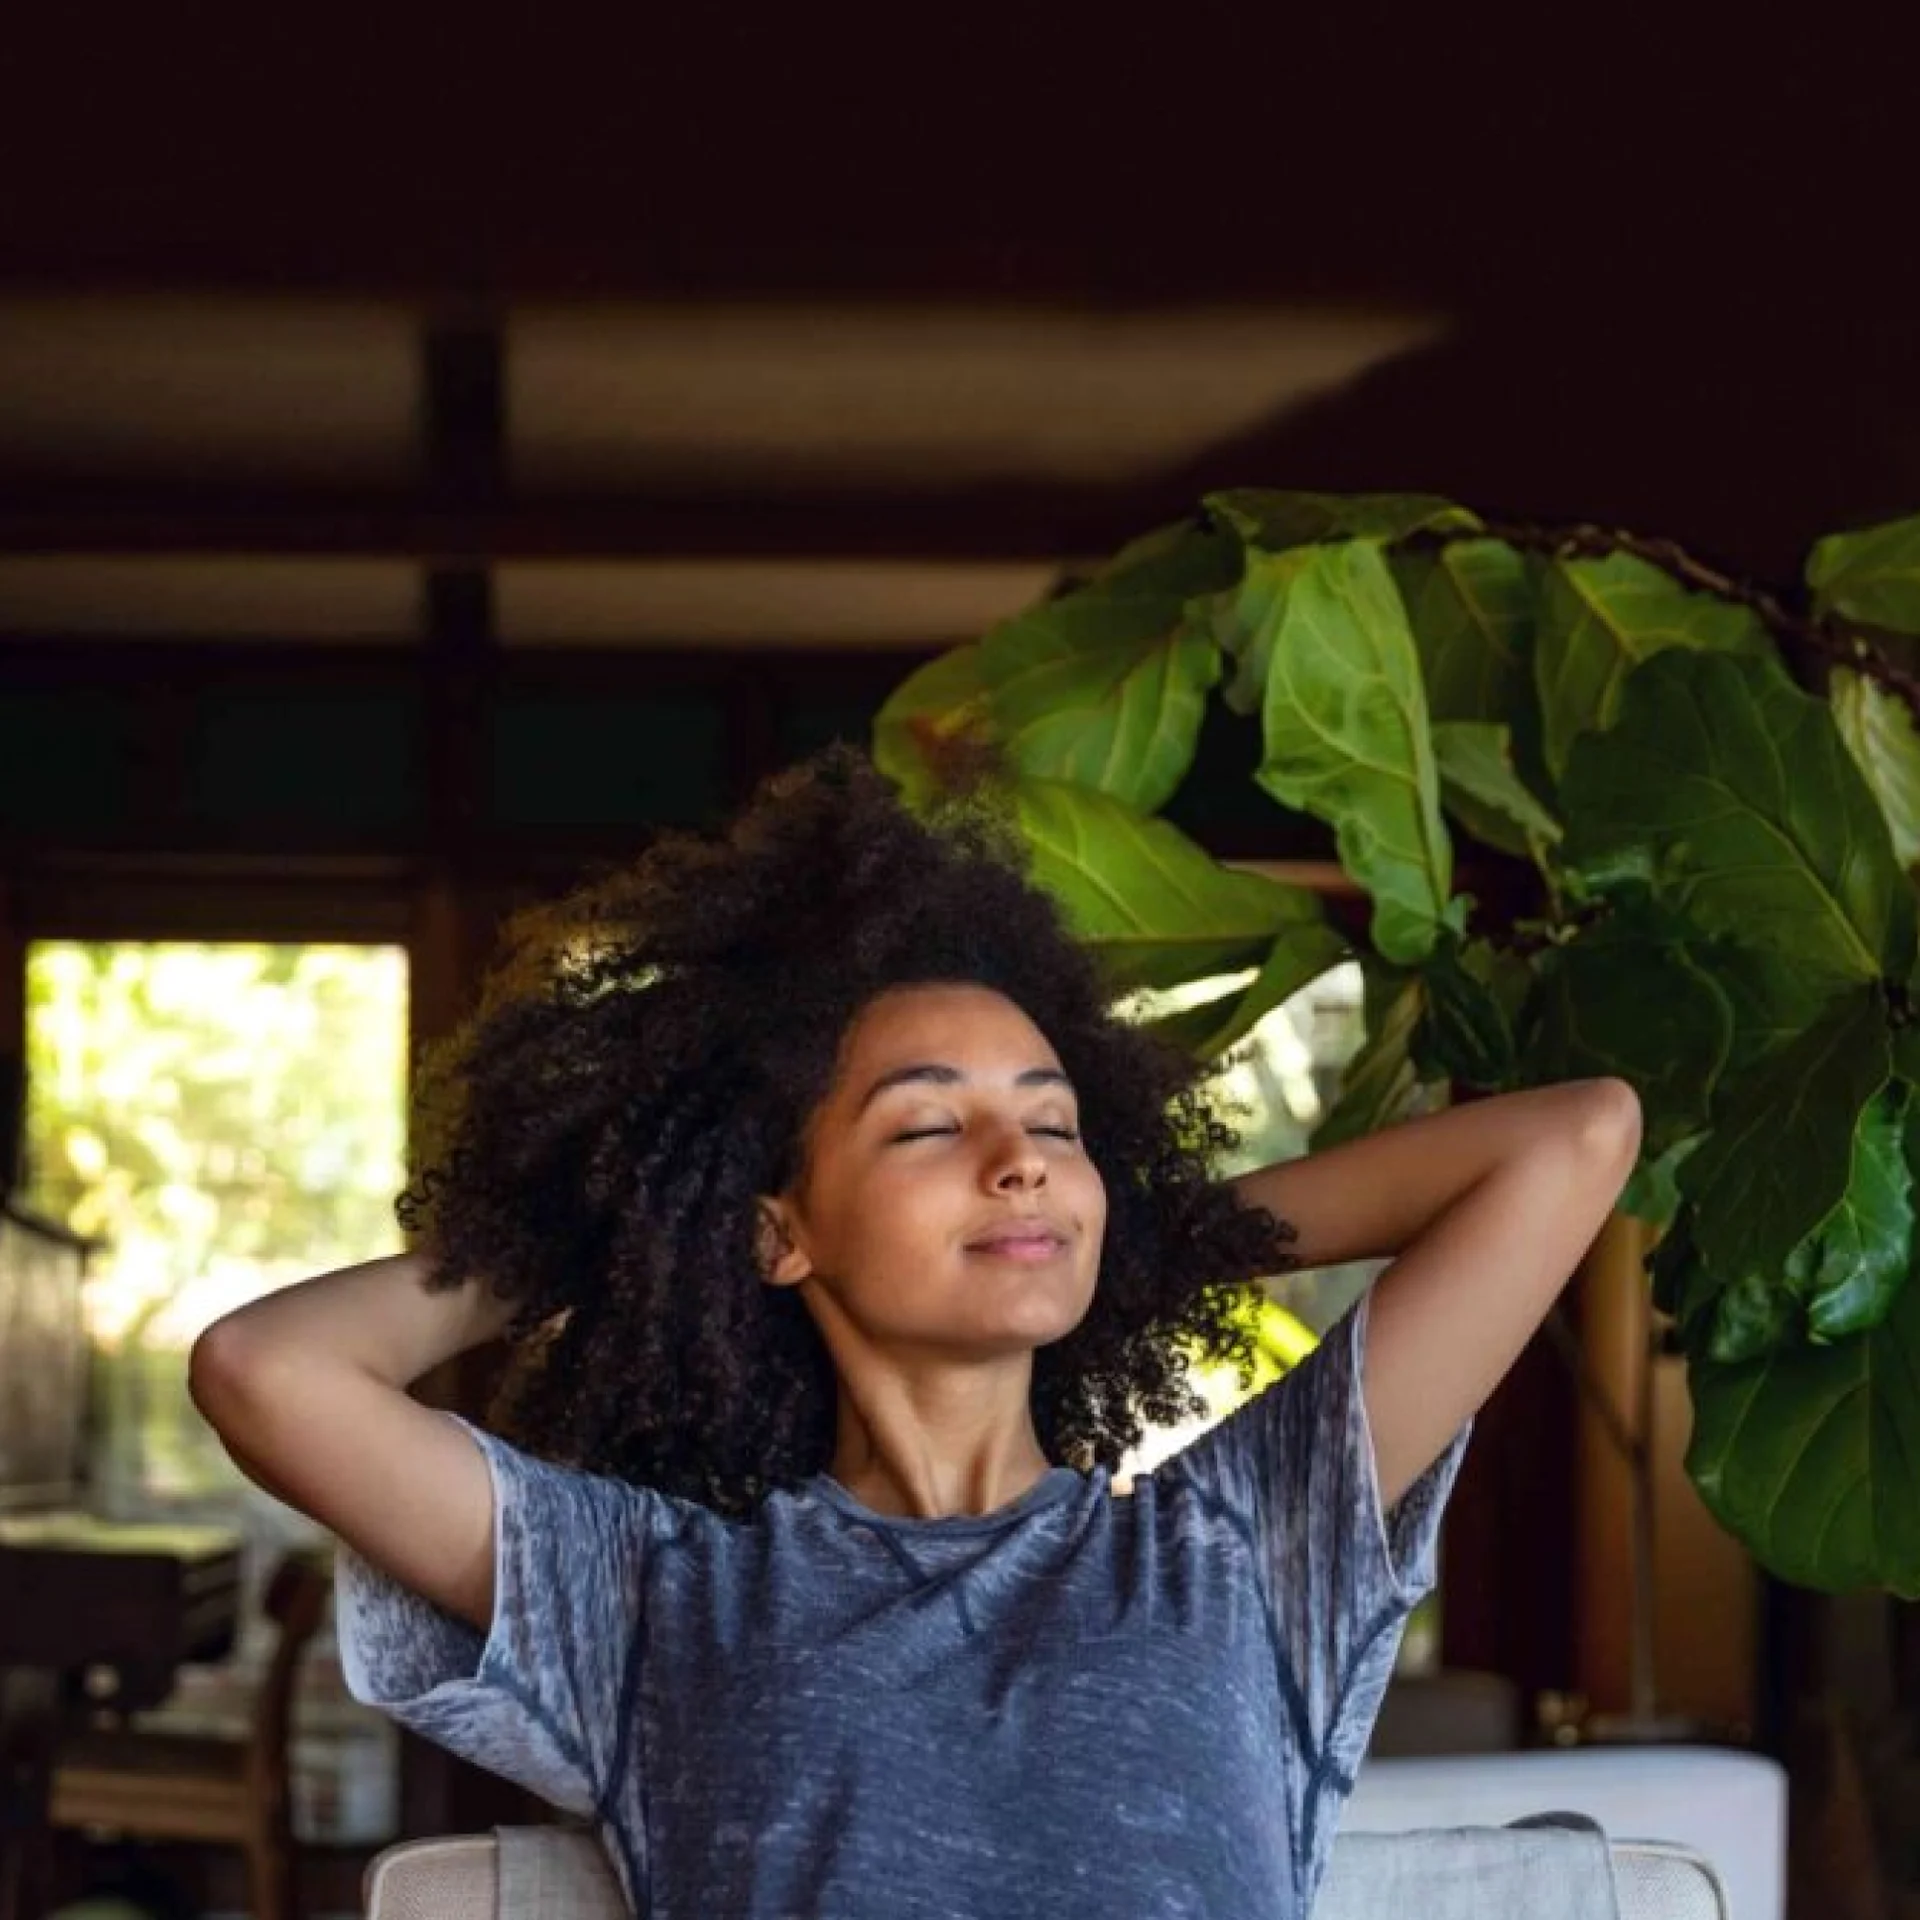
<point x="1081" y="1706"/>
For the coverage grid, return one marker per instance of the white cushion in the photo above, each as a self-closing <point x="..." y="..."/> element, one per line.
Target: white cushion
<point x="1728" y="1807"/>
<point x="549" y="1873"/>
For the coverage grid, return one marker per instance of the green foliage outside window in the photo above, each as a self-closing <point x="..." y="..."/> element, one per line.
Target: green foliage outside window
<point x="222" y="1119"/>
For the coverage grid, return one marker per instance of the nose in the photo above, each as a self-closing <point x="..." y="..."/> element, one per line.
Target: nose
<point x="1016" y="1164"/>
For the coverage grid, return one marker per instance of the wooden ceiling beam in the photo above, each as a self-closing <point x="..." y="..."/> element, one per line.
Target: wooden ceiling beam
<point x="1010" y="523"/>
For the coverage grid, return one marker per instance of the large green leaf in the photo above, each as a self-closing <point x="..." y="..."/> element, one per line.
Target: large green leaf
<point x="1275" y="520"/>
<point x="1482" y="791"/>
<point x="1471" y="603"/>
<point x="1728" y="791"/>
<point x="1277" y="527"/>
<point x="933" y="718"/>
<point x="1652" y="1192"/>
<point x="1780" y="1158"/>
<point x="1158" y="910"/>
<point x="1879" y="731"/>
<point x="1634" y="995"/>
<point x="1599" y="619"/>
<point x="1661" y="1010"/>
<point x="1840" y="1280"/>
<point x="1661" y="1034"/>
<point x="1247" y="617"/>
<point x="1345" y="729"/>
<point x="1106" y="686"/>
<point x="1850" y="1270"/>
<point x="1872" y="576"/>
<point x="1774" y="1000"/>
<point x="1475" y="992"/>
<point x="1812" y="1454"/>
<point x="1753" y="1314"/>
<point x="1301" y="954"/>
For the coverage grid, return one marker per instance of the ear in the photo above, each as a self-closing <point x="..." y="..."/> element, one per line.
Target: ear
<point x="782" y="1261"/>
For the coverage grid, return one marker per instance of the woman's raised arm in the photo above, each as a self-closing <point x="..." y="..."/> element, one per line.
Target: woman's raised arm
<point x="1485" y="1211"/>
<point x="307" y="1389"/>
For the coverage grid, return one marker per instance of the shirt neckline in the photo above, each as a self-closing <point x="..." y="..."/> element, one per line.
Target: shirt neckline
<point x="1053" y="1486"/>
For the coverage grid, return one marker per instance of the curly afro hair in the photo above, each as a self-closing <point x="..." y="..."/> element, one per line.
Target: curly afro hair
<point x="642" y="1065"/>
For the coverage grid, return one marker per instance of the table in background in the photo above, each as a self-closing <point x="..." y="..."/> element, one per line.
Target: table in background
<point x="78" y="1597"/>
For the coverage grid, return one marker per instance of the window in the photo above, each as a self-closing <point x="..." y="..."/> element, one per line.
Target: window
<point x="222" y="1119"/>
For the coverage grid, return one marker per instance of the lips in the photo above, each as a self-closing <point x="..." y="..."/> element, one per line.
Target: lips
<point x="1023" y="1242"/>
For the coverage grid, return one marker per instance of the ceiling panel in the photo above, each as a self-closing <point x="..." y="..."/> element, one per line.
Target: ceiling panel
<point x="762" y="398"/>
<point x="215" y="598"/>
<point x="209" y="390"/>
<point x="759" y="603"/>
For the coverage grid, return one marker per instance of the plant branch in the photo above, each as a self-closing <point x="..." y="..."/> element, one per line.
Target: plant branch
<point x="1834" y="642"/>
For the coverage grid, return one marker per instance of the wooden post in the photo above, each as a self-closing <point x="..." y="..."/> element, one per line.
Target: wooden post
<point x="1668" y="1577"/>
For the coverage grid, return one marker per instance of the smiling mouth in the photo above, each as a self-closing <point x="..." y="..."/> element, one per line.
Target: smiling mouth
<point x="1020" y="1246"/>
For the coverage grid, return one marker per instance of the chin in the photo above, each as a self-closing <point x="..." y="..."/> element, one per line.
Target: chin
<point x="1057" y="1327"/>
<point x="1033" y="1315"/>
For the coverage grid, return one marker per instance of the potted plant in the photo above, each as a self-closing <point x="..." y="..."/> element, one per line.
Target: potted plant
<point x="1611" y="812"/>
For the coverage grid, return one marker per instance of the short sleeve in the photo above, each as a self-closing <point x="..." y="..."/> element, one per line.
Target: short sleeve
<point x="1294" y="1471"/>
<point x="537" y="1699"/>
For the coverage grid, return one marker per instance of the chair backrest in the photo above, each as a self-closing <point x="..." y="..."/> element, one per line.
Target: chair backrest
<point x="551" y="1873"/>
<point x="296" y="1602"/>
<point x="1728" y="1806"/>
<point x="436" y="1879"/>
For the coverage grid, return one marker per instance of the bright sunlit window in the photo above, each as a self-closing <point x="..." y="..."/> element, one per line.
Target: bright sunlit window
<point x="222" y="1119"/>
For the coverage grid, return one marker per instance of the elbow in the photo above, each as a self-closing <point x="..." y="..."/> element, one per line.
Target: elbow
<point x="1608" y="1130"/>
<point x="226" y="1370"/>
<point x="1614" y="1122"/>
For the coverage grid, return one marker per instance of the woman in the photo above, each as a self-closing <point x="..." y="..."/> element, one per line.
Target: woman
<point x="847" y="1240"/>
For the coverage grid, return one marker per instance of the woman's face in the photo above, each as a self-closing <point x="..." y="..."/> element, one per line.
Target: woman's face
<point x="948" y="1203"/>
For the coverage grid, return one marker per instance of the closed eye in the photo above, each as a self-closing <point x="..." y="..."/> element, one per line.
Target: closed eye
<point x="931" y="1133"/>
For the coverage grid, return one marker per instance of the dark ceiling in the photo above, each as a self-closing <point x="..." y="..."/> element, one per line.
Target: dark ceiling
<point x="929" y="288"/>
<point x="1590" y="158"/>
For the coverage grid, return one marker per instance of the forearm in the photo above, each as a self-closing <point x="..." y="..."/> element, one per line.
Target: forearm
<point x="1370" y="1199"/>
<point x="1452" y="1313"/>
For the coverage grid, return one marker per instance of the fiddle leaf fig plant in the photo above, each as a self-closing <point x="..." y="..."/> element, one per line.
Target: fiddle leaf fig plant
<point x="1610" y="813"/>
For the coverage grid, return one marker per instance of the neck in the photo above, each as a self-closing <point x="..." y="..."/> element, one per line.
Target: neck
<point x="927" y="1455"/>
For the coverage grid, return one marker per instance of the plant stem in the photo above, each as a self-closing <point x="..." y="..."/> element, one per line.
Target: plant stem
<point x="1834" y="642"/>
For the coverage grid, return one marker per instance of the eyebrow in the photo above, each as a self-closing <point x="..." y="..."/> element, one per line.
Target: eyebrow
<point x="930" y="1072"/>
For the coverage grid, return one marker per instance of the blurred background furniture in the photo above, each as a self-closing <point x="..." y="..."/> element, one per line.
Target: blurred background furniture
<point x="1453" y="1710"/>
<point x="84" y="1601"/>
<point x="80" y="1597"/>
<point x="165" y="1785"/>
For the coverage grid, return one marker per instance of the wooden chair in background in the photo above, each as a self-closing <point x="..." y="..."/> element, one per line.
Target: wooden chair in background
<point x="224" y="1789"/>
